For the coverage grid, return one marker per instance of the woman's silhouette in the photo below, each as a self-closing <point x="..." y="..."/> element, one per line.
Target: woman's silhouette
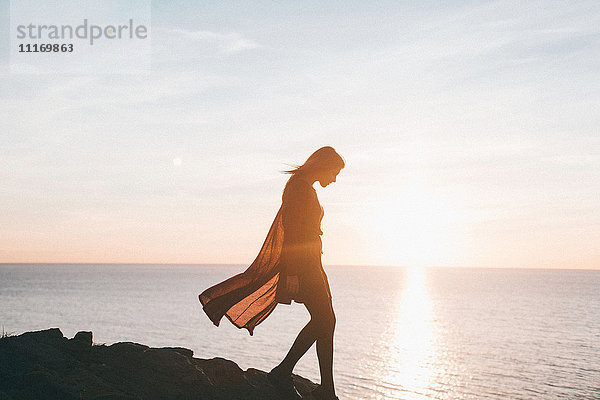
<point x="288" y="267"/>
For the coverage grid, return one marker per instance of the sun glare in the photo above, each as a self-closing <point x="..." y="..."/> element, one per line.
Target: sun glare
<point x="413" y="226"/>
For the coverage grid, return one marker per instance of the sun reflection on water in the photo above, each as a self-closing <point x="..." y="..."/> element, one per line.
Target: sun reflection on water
<point x="410" y="361"/>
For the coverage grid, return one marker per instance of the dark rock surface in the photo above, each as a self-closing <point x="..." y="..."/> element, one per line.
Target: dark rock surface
<point x="46" y="365"/>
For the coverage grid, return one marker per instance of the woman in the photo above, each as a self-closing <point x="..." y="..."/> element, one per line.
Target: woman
<point x="288" y="267"/>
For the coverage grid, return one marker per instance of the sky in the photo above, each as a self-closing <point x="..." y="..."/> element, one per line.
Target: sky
<point x="470" y="130"/>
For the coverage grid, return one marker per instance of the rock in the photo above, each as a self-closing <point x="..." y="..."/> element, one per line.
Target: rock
<point x="46" y="365"/>
<point x="51" y="335"/>
<point x="83" y="337"/>
<point x="81" y="343"/>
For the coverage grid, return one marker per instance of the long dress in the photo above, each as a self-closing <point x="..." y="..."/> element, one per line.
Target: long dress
<point x="292" y="247"/>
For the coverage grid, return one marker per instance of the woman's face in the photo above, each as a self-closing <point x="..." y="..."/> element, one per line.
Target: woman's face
<point x="328" y="176"/>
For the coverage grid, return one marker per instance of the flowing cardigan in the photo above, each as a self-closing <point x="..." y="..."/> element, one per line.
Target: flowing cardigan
<point x="292" y="247"/>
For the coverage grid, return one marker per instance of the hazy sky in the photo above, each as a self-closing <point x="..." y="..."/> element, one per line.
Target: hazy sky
<point x="471" y="132"/>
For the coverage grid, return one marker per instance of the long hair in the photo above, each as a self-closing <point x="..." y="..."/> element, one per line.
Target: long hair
<point x="324" y="158"/>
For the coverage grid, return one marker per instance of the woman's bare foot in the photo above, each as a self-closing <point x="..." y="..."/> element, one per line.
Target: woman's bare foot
<point x="321" y="393"/>
<point x="282" y="380"/>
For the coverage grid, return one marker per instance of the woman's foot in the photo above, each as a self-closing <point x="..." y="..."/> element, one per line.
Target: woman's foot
<point x="321" y="393"/>
<point x="282" y="380"/>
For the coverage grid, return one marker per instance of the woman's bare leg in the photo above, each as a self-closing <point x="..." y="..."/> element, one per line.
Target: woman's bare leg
<point x="325" y="356"/>
<point x="325" y="345"/>
<point x="303" y="342"/>
<point x="320" y="328"/>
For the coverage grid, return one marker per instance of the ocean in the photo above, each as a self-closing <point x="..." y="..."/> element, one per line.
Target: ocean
<point x="402" y="333"/>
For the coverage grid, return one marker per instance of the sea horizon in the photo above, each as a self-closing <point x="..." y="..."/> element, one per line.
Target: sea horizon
<point x="324" y="265"/>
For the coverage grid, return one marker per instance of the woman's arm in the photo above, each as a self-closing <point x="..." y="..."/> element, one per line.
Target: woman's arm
<point x="296" y="201"/>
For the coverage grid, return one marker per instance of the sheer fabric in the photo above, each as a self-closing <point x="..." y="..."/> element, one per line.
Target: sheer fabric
<point x="292" y="247"/>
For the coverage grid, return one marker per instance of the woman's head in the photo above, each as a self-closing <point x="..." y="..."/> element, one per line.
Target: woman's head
<point x="323" y="165"/>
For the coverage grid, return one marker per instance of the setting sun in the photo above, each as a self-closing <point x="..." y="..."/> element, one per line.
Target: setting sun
<point x="415" y="225"/>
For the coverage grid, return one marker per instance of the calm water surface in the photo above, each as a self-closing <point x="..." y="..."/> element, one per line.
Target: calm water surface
<point x="444" y="333"/>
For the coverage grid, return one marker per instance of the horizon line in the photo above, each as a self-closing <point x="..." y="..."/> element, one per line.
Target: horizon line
<point x="330" y="265"/>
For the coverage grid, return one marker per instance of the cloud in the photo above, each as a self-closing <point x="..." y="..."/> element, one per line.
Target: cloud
<point x="224" y="43"/>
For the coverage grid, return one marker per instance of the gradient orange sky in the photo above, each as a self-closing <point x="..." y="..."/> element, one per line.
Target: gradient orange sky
<point x="470" y="134"/>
